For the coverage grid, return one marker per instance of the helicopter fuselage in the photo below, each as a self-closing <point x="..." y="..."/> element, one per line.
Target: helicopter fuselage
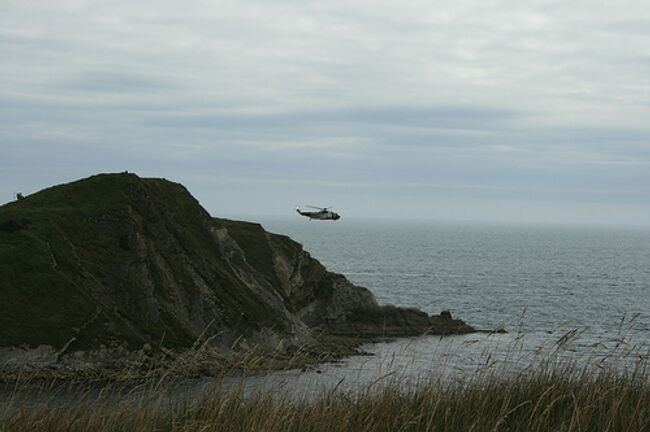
<point x="320" y="215"/>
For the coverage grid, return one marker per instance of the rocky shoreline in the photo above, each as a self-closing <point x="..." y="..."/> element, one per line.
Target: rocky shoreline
<point x="118" y="362"/>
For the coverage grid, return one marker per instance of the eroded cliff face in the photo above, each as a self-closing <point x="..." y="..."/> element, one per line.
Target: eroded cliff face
<point x="313" y="294"/>
<point x="119" y="259"/>
<point x="327" y="301"/>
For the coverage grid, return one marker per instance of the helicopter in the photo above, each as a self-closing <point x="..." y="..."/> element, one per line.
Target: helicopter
<point x="323" y="213"/>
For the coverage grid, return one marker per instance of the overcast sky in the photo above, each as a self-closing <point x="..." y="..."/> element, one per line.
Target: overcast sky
<point x="535" y="111"/>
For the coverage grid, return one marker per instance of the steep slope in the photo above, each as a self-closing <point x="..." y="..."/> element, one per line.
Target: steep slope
<point x="115" y="257"/>
<point x="327" y="301"/>
<point x="317" y="297"/>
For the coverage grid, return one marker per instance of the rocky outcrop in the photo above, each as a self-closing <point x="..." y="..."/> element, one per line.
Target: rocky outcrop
<point x="327" y="301"/>
<point x="117" y="259"/>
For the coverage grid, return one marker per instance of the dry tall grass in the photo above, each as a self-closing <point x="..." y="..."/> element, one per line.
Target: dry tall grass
<point x="557" y="394"/>
<point x="553" y="397"/>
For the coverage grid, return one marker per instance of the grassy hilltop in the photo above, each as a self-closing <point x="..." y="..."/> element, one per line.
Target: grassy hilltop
<point x="120" y="259"/>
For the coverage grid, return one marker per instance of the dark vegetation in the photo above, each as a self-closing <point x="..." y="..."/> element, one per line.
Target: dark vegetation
<point x="118" y="260"/>
<point x="72" y="258"/>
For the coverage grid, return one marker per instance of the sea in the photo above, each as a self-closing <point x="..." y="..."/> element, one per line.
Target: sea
<point x="578" y="295"/>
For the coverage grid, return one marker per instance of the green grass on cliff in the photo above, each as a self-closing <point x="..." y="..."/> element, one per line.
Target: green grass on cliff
<point x="54" y="245"/>
<point x="68" y="249"/>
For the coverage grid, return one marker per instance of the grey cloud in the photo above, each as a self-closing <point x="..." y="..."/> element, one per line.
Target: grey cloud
<point x="119" y="82"/>
<point x="452" y="117"/>
<point x="635" y="26"/>
<point x="20" y="44"/>
<point x="8" y="40"/>
<point x="590" y="137"/>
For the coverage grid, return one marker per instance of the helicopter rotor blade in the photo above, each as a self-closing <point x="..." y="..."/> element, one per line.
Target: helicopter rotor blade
<point x="318" y="208"/>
